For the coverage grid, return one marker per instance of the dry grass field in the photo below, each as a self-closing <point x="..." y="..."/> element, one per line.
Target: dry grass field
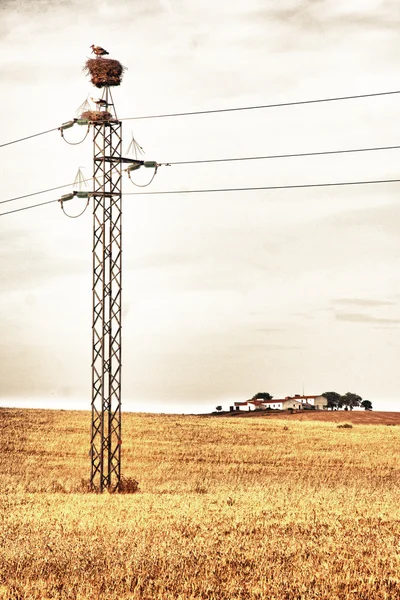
<point x="275" y="507"/>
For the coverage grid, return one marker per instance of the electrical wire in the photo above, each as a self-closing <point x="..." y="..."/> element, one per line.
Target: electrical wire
<point x="276" y="105"/>
<point x="76" y="143"/>
<point x="27" y="207"/>
<point x="59" y="187"/>
<point x="266" y="187"/>
<point x="244" y="189"/>
<point x="217" y="160"/>
<point x="222" y="110"/>
<point x="28" y="137"/>
<point x="295" y="155"/>
<point x="78" y="215"/>
<point x="145" y="184"/>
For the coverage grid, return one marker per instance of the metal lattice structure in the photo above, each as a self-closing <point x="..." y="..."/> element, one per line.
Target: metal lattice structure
<point x="107" y="255"/>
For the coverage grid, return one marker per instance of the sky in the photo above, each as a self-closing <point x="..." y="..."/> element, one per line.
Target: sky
<point x="224" y="294"/>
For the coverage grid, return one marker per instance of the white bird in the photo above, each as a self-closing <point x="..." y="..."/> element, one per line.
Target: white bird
<point x="98" y="50"/>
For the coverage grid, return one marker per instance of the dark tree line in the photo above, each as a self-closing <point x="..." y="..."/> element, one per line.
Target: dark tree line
<point x="262" y="396"/>
<point x="335" y="401"/>
<point x="348" y="401"/>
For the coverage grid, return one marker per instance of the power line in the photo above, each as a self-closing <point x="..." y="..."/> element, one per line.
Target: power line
<point x="276" y="105"/>
<point x="28" y="137"/>
<point x="223" y="110"/>
<point x="217" y="160"/>
<point x="267" y="187"/>
<point x="42" y="191"/>
<point x="243" y="189"/>
<point x="295" y="155"/>
<point x="27" y="207"/>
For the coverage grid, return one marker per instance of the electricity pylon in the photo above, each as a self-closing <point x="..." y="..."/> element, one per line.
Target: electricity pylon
<point x="105" y="445"/>
<point x="107" y="254"/>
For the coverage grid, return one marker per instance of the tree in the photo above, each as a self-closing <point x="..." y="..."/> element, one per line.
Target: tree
<point x="262" y="396"/>
<point x="333" y="399"/>
<point x="366" y="404"/>
<point x="219" y="408"/>
<point x="350" y="400"/>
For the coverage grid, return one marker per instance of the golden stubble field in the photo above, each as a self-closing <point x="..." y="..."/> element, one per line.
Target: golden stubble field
<point x="229" y="508"/>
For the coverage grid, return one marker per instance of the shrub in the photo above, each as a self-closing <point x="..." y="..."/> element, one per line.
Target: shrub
<point x="128" y="485"/>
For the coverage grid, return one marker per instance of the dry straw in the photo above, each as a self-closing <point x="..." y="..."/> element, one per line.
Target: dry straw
<point x="104" y="71"/>
<point x="228" y="508"/>
<point x="96" y="115"/>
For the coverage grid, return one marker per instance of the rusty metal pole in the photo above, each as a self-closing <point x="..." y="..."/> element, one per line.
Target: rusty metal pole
<point x="107" y="263"/>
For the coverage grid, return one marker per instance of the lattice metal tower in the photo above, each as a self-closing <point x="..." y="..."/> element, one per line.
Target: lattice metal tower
<point x="105" y="446"/>
<point x="107" y="255"/>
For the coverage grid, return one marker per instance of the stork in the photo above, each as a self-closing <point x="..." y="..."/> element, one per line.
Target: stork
<point x="100" y="102"/>
<point x="98" y="50"/>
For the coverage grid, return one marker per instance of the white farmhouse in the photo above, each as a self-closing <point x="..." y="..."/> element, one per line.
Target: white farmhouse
<point x="297" y="402"/>
<point x="282" y="404"/>
<point x="319" y="402"/>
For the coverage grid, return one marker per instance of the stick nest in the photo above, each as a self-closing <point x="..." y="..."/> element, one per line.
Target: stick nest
<point x="104" y="71"/>
<point x="97" y="115"/>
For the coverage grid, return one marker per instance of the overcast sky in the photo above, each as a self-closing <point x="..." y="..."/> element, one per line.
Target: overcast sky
<point x="224" y="294"/>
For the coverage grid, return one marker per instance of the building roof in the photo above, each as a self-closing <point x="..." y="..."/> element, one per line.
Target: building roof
<point x="296" y="396"/>
<point x="273" y="401"/>
<point x="257" y="402"/>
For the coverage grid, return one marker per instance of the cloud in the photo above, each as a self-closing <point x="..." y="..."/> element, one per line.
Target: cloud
<point x="309" y="14"/>
<point x="353" y="316"/>
<point x="363" y="318"/>
<point x="383" y="219"/>
<point x="362" y="302"/>
<point x="268" y="330"/>
<point x="211" y="282"/>
<point x="26" y="263"/>
<point x="269" y="347"/>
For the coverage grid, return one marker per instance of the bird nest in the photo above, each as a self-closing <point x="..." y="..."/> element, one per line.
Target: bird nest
<point x="97" y="115"/>
<point x="104" y="71"/>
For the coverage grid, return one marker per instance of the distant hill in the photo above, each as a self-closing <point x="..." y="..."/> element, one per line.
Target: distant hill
<point x="357" y="417"/>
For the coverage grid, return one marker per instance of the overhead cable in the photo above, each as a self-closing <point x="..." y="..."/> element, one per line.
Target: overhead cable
<point x="79" y="214"/>
<point x="265" y="187"/>
<point x="243" y="189"/>
<point x="75" y="143"/>
<point x="28" y="137"/>
<point x="223" y="110"/>
<point x="260" y="106"/>
<point x="59" y="187"/>
<point x="218" y="160"/>
<point x="294" y="155"/>
<point x="28" y="207"/>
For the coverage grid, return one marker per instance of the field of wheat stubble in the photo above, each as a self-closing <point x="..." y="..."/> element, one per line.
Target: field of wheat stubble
<point x="281" y="507"/>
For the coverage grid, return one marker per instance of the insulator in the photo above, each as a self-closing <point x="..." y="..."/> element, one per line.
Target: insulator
<point x="67" y="125"/>
<point x="82" y="194"/>
<point x="82" y="121"/>
<point x="150" y="164"/>
<point x="134" y="166"/>
<point x="67" y="197"/>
